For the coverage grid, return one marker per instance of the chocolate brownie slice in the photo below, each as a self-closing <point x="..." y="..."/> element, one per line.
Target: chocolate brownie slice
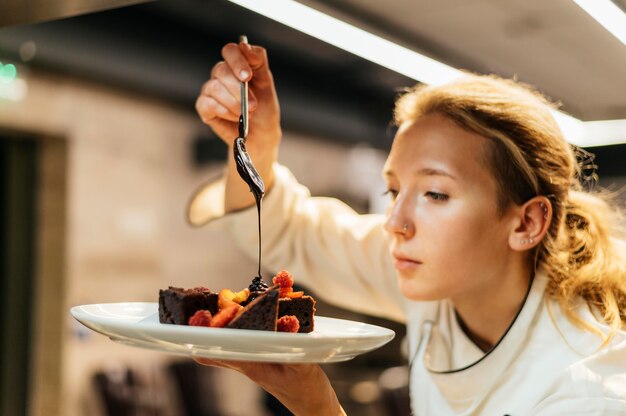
<point x="302" y="308"/>
<point x="177" y="305"/>
<point x="260" y="314"/>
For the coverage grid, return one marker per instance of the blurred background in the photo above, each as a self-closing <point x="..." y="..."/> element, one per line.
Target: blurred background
<point x="100" y="150"/>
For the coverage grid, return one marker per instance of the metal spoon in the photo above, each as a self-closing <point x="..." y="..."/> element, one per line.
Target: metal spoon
<point x="245" y="167"/>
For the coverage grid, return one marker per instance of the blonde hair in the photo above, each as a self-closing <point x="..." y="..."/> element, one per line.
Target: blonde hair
<point x="584" y="249"/>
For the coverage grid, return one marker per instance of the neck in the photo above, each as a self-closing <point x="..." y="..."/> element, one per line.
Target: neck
<point x="486" y="314"/>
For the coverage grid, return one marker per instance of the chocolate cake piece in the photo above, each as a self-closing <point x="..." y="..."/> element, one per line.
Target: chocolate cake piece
<point x="177" y="305"/>
<point x="302" y="308"/>
<point x="260" y="314"/>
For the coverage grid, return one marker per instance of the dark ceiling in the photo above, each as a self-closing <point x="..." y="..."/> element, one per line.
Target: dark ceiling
<point x="166" y="49"/>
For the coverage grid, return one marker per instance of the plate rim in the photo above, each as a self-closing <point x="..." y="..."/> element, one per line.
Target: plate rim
<point x="317" y="348"/>
<point x="74" y="310"/>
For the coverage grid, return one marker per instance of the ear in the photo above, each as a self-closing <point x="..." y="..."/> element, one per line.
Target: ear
<point x="533" y="219"/>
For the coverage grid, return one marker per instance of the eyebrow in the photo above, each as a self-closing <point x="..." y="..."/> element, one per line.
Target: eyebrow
<point x="424" y="172"/>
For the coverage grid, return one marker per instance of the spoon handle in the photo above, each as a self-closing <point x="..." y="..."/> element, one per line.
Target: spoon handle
<point x="244" y="101"/>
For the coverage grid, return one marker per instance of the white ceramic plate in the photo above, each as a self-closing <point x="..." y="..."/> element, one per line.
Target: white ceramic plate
<point x="137" y="324"/>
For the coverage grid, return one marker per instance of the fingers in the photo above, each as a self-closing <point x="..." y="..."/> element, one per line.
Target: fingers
<point x="219" y="101"/>
<point x="209" y="109"/>
<point x="211" y="362"/>
<point x="222" y="74"/>
<point x="215" y="89"/>
<point x="237" y="62"/>
<point x="252" y="369"/>
<point x="248" y="63"/>
<point x="240" y="366"/>
<point x="220" y="97"/>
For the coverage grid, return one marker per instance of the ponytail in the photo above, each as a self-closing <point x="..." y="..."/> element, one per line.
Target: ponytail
<point x="586" y="259"/>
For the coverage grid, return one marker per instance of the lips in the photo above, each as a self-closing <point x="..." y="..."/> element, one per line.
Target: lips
<point x="400" y="256"/>
<point x="403" y="262"/>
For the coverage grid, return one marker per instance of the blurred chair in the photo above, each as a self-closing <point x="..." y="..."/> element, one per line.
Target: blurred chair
<point x="394" y="386"/>
<point x="123" y="394"/>
<point x="196" y="388"/>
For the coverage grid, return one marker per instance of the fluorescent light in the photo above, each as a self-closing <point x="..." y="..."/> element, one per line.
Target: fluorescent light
<point x="604" y="132"/>
<point x="422" y="68"/>
<point x="611" y="17"/>
<point x="354" y="40"/>
<point x="572" y="128"/>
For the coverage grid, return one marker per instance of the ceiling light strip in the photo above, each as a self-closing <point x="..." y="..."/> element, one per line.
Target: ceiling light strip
<point x="412" y="64"/>
<point x="605" y="12"/>
<point x="604" y="132"/>
<point x="354" y="40"/>
<point x="572" y="128"/>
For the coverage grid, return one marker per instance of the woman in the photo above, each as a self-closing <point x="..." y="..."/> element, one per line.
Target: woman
<point x="511" y="279"/>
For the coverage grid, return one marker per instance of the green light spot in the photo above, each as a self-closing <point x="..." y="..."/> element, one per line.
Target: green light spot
<point x="8" y="73"/>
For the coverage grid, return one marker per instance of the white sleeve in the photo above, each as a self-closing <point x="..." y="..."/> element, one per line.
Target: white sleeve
<point x="595" y="386"/>
<point x="341" y="255"/>
<point x="579" y="406"/>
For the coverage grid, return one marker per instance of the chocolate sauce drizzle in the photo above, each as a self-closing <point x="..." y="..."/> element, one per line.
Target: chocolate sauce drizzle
<point x="249" y="174"/>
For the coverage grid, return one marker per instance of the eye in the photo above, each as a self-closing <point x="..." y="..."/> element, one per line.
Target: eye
<point x="436" y="196"/>
<point x="393" y="194"/>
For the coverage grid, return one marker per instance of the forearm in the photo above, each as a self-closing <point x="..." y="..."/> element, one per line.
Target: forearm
<point x="328" y="246"/>
<point x="328" y="406"/>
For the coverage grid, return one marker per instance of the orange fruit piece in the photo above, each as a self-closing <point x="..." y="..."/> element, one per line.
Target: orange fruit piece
<point x="225" y="298"/>
<point x="241" y="296"/>
<point x="224" y="316"/>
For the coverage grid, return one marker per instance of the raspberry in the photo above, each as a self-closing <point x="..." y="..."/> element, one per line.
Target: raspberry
<point x="283" y="278"/>
<point x="201" y="318"/>
<point x="285" y="292"/>
<point x="224" y="316"/>
<point x="287" y="323"/>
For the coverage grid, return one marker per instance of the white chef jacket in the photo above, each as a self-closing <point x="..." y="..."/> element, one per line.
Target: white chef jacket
<point x="543" y="364"/>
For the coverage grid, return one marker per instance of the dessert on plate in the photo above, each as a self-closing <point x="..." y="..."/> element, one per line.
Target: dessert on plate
<point x="277" y="308"/>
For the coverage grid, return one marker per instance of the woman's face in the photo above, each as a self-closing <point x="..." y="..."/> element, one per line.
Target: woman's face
<point x="445" y="233"/>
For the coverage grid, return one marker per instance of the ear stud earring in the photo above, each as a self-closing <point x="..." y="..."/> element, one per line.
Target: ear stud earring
<point x="545" y="210"/>
<point x="531" y="241"/>
<point x="522" y="241"/>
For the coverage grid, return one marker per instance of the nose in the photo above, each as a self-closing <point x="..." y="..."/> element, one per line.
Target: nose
<point x="399" y="222"/>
